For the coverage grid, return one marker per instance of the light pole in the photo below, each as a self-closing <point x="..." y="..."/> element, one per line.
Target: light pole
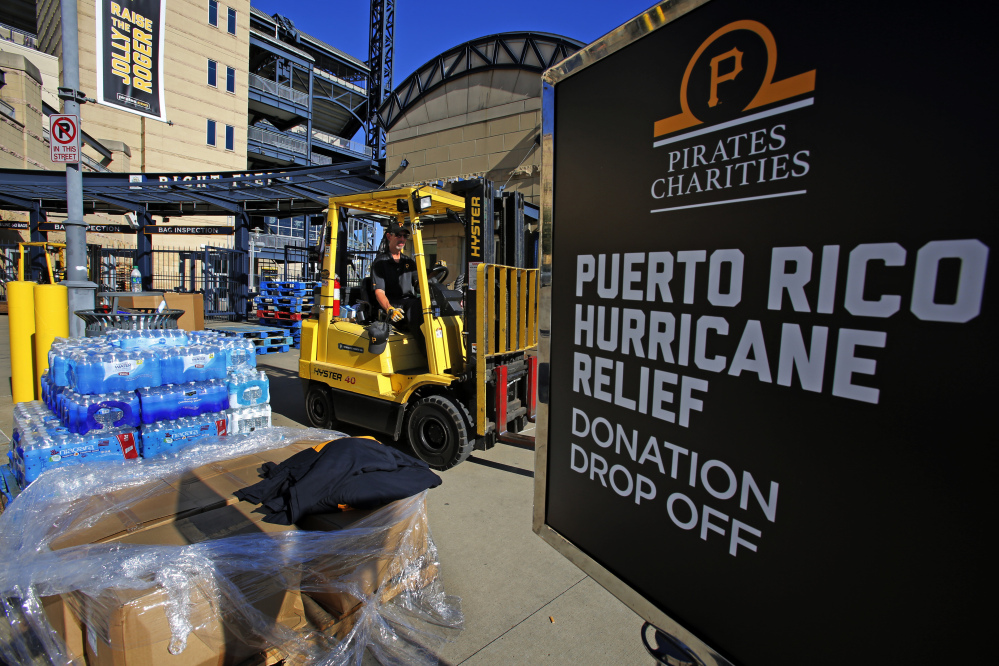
<point x="81" y="291"/>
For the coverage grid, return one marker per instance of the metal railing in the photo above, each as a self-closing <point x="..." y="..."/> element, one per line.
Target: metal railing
<point x="340" y="142"/>
<point x="282" y="91"/>
<point x="277" y="140"/>
<point x="16" y="36"/>
<point x="336" y="79"/>
<point x="334" y="140"/>
<point x="93" y="164"/>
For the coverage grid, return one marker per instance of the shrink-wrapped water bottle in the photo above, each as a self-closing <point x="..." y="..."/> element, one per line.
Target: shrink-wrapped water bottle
<point x="248" y="388"/>
<point x="38" y="452"/>
<point x="244" y="420"/>
<point x="196" y="398"/>
<point x="239" y="354"/>
<point x="105" y="412"/>
<point x="168" y="437"/>
<point x="203" y="362"/>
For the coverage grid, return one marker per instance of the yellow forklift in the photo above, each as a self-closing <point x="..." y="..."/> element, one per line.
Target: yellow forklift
<point x="474" y="381"/>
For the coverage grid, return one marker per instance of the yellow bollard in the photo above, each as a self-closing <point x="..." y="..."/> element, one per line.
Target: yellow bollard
<point x="21" y="319"/>
<point x="51" y="322"/>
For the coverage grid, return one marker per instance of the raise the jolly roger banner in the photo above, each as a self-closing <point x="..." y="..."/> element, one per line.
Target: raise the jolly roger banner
<point x="130" y="36"/>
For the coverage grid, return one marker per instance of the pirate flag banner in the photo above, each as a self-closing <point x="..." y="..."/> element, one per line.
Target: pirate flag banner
<point x="130" y="36"/>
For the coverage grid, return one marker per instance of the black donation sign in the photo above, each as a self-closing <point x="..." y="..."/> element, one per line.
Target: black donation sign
<point x="130" y="36"/>
<point x="773" y="327"/>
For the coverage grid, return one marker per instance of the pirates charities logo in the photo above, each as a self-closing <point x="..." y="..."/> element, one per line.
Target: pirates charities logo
<point x="734" y="138"/>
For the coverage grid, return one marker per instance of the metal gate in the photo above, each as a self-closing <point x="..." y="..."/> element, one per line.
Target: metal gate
<point x="225" y="283"/>
<point x="110" y="267"/>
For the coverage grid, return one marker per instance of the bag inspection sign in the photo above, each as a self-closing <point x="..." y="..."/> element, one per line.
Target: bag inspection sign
<point x="771" y="317"/>
<point x="130" y="37"/>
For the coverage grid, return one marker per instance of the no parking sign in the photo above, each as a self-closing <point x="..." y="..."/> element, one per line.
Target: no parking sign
<point x="65" y="138"/>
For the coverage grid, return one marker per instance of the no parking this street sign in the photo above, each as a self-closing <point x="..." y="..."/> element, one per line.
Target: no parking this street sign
<point x="64" y="141"/>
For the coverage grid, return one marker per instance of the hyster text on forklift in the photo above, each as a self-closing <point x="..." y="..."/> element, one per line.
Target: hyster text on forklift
<point x="473" y="381"/>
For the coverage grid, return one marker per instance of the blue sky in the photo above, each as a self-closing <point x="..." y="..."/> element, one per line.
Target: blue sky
<point x="426" y="28"/>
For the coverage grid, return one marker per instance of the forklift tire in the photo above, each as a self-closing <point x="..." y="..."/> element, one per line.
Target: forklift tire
<point x="438" y="433"/>
<point x="319" y="406"/>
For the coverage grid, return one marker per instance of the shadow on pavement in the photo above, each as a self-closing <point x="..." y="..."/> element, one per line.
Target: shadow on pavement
<point x="288" y="400"/>
<point x="500" y="466"/>
<point x="287" y="395"/>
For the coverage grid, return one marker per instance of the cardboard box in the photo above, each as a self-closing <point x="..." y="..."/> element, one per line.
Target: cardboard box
<point x="164" y="500"/>
<point x="136" y="624"/>
<point x="130" y="628"/>
<point x="193" y="306"/>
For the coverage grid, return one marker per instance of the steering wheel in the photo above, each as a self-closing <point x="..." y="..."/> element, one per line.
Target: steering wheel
<point x="439" y="273"/>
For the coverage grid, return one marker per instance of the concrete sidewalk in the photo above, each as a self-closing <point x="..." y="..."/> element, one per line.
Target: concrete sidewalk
<point x="522" y="601"/>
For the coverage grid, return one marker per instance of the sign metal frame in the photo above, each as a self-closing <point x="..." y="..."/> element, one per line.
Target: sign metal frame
<point x="623" y="36"/>
<point x="884" y="479"/>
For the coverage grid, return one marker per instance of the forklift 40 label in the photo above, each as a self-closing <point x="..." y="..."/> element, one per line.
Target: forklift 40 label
<point x="335" y="376"/>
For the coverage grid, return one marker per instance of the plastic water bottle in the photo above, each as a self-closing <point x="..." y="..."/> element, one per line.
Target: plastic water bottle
<point x="135" y="279"/>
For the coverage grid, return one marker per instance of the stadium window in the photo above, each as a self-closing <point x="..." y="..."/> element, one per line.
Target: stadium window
<point x="211" y="132"/>
<point x="213" y="13"/>
<point x="230" y="79"/>
<point x="232" y="21"/>
<point x="229" y="137"/>
<point x="212" y="75"/>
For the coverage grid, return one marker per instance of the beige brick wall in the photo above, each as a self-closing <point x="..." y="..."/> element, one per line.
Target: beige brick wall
<point x="500" y="150"/>
<point x="180" y="147"/>
<point x="47" y="65"/>
<point x="22" y="140"/>
<point x="11" y="140"/>
<point x="490" y="133"/>
<point x="189" y="43"/>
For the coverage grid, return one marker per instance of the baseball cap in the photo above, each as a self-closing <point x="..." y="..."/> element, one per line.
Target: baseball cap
<point x="397" y="228"/>
<point x="378" y="334"/>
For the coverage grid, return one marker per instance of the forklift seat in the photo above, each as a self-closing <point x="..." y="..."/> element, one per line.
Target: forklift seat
<point x="367" y="304"/>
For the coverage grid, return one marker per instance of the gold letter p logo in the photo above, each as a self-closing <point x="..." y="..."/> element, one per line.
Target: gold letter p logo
<point x="715" y="79"/>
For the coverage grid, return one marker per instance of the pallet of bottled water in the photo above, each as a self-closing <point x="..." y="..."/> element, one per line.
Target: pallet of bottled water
<point x="163" y="388"/>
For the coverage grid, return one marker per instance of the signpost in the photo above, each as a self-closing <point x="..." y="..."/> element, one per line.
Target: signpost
<point x="64" y="134"/>
<point x="768" y="328"/>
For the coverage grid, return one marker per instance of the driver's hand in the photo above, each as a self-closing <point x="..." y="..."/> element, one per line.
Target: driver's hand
<point x="396" y="314"/>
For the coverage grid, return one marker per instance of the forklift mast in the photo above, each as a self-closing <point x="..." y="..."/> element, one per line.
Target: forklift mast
<point x="499" y="309"/>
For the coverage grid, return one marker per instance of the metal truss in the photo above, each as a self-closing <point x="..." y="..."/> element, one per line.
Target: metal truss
<point x="381" y="44"/>
<point x="532" y="51"/>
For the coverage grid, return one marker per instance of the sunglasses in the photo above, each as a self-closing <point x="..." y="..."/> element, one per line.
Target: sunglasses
<point x="401" y="234"/>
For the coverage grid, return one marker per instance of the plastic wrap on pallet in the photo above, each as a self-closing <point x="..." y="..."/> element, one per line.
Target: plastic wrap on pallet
<point x="209" y="591"/>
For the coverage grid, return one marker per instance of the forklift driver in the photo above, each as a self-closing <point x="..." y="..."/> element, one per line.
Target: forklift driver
<point x="393" y="275"/>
